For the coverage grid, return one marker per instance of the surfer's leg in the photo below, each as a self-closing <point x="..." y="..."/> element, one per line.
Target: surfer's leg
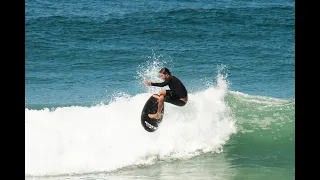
<point x="161" y="101"/>
<point x="160" y="105"/>
<point x="162" y="92"/>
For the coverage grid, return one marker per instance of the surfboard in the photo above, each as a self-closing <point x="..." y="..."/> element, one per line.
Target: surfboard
<point x="151" y="107"/>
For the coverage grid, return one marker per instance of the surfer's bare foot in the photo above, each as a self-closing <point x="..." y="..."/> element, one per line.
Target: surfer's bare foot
<point x="154" y="116"/>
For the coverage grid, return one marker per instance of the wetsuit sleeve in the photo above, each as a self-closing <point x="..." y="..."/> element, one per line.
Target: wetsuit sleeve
<point x="160" y="84"/>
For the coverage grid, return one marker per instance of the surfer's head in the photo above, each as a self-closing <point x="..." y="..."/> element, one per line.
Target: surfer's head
<point x="164" y="73"/>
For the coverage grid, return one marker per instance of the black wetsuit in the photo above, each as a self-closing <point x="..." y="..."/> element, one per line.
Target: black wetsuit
<point x="177" y="91"/>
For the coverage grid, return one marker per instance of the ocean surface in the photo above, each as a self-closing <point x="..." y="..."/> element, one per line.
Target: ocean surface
<point x="86" y="62"/>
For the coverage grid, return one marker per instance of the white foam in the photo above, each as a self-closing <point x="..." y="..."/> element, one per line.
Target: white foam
<point x="260" y="99"/>
<point x="107" y="137"/>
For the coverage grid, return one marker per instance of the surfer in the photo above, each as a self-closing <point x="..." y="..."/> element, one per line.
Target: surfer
<point x="177" y="94"/>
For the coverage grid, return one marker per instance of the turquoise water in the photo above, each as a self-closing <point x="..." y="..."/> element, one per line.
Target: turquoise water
<point x="85" y="67"/>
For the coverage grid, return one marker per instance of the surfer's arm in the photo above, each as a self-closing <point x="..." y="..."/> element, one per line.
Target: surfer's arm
<point x="162" y="84"/>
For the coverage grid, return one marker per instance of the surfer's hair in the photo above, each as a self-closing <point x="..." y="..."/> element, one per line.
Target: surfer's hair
<point x="165" y="71"/>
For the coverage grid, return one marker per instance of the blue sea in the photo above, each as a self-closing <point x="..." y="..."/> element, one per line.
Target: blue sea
<point x="85" y="65"/>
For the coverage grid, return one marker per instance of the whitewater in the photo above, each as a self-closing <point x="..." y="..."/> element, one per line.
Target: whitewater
<point x="107" y="137"/>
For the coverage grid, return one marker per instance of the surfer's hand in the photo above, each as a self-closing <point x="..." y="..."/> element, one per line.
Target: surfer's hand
<point x="147" y="83"/>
